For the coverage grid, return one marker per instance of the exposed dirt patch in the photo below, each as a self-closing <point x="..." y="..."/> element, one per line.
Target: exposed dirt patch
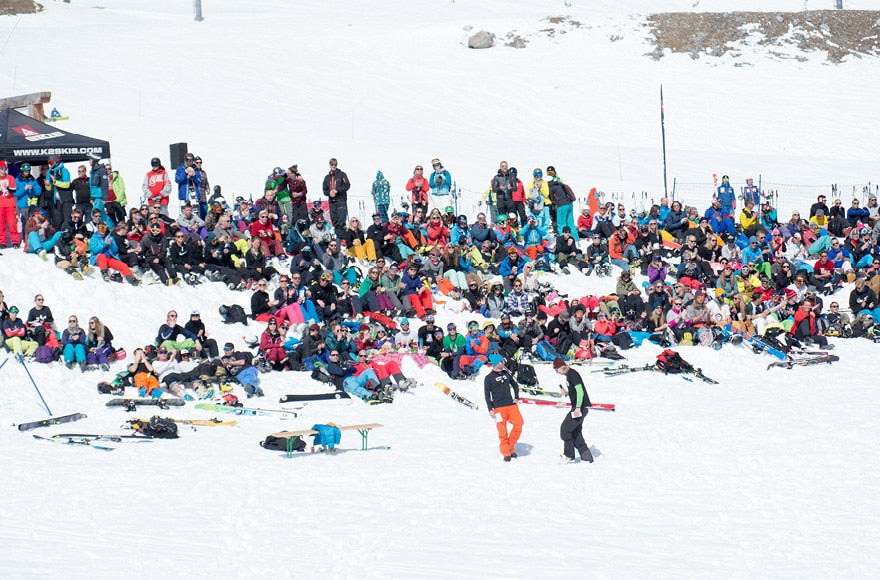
<point x="19" y="7"/>
<point x="837" y="33"/>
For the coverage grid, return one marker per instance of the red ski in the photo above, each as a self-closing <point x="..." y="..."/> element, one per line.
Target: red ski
<point x="561" y="404"/>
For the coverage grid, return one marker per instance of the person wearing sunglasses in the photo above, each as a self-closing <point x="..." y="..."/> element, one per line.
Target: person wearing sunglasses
<point x="73" y="342"/>
<point x="15" y="333"/>
<point x="170" y="334"/>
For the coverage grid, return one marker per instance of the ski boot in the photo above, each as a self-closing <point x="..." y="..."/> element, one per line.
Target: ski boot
<point x="130" y="406"/>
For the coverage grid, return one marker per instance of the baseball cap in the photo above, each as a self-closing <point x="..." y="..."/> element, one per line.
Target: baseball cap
<point x="429" y="318"/>
<point x="194" y="313"/>
<point x="228" y="346"/>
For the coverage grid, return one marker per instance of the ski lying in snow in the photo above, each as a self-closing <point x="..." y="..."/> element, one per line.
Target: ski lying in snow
<point x="540" y="391"/>
<point x="215" y="422"/>
<point x="625" y="370"/>
<point x="314" y="397"/>
<point x="806" y="361"/>
<point x="565" y="404"/>
<point x="137" y="402"/>
<point x="698" y="373"/>
<point x="97" y="436"/>
<point x="447" y="390"/>
<point x="72" y="441"/>
<point x="579" y="362"/>
<point x="243" y="410"/>
<point x="51" y="421"/>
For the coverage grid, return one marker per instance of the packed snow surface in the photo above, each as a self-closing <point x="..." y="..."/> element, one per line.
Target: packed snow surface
<point x="769" y="473"/>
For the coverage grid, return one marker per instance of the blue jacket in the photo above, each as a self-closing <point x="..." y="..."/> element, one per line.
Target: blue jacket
<point x="727" y="196"/>
<point x="326" y="435"/>
<point x="411" y="285"/>
<point x="533" y="236"/>
<point x="456" y="232"/>
<point x="25" y="190"/>
<point x="482" y="232"/>
<point x="674" y="221"/>
<point x="184" y="181"/>
<point x="445" y="183"/>
<point x="505" y="268"/>
<point x="99" y="245"/>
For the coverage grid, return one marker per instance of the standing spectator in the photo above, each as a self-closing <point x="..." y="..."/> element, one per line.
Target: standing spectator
<point x="572" y="426"/>
<point x="82" y="192"/>
<point x="296" y="185"/>
<point x="157" y="185"/>
<point x="8" y="219"/>
<point x="561" y="198"/>
<point x="503" y="187"/>
<point x="188" y="181"/>
<point x="418" y="188"/>
<point x="27" y="193"/>
<point x="277" y="183"/>
<point x="97" y="182"/>
<point x="502" y="407"/>
<point x="115" y="200"/>
<point x="336" y="186"/>
<point x="204" y="188"/>
<point x="727" y="196"/>
<point x="381" y="191"/>
<point x="440" y="180"/>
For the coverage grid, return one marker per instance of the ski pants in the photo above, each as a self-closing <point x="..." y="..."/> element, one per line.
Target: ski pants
<point x="21" y="346"/>
<point x="74" y="352"/>
<point x="365" y="251"/>
<point x="572" y="433"/>
<point x="100" y="355"/>
<point x="103" y="262"/>
<point x="357" y="386"/>
<point x="35" y="246"/>
<point x="565" y="217"/>
<point x="9" y="221"/>
<point x="503" y="416"/>
<point x="421" y="302"/>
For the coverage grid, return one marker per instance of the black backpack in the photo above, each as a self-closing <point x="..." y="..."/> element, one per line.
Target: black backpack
<point x="670" y="362"/>
<point x="273" y="443"/>
<point x="525" y="375"/>
<point x="233" y="314"/>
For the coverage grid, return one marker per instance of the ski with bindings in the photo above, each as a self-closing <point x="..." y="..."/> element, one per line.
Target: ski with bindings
<point x="51" y="421"/>
<point x="565" y="404"/>
<point x="539" y="391"/>
<point x="447" y="390"/>
<point x="248" y="411"/>
<point x="136" y="402"/>
<point x="74" y="441"/>
<point x="623" y="370"/>
<point x="101" y="437"/>
<point x="806" y="361"/>
<point x="314" y="397"/>
<point x="698" y="373"/>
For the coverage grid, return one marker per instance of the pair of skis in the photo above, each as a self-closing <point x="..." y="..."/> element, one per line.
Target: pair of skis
<point x="564" y="404"/>
<point x="809" y="360"/>
<point x="687" y="375"/>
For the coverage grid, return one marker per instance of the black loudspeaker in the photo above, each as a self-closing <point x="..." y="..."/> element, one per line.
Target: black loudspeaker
<point x="178" y="153"/>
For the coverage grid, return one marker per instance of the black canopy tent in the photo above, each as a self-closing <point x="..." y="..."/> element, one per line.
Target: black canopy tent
<point x="23" y="138"/>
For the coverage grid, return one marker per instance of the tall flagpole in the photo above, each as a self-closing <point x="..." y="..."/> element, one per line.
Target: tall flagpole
<point x="663" y="132"/>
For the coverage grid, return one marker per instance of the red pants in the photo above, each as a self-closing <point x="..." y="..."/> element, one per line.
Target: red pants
<point x="421" y="302"/>
<point x="385" y="369"/>
<point x="509" y="414"/>
<point x="104" y="262"/>
<point x="9" y="219"/>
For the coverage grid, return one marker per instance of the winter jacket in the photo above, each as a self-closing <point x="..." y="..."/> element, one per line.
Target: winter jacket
<point x="188" y="186"/>
<point x="156" y="186"/>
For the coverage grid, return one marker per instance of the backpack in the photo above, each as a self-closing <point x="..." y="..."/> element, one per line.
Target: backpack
<point x="670" y="362"/>
<point x="526" y="375"/>
<point x="233" y="314"/>
<point x="273" y="443"/>
<point x="545" y="351"/>
<point x="44" y="354"/>
<point x="158" y="427"/>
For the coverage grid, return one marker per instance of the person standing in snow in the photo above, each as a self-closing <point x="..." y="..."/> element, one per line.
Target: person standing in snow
<point x="381" y="191"/>
<point x="502" y="406"/>
<point x="440" y="180"/>
<point x="336" y="186"/>
<point x="572" y="426"/>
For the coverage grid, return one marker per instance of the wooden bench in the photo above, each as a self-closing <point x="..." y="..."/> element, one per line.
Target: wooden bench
<point x="291" y="436"/>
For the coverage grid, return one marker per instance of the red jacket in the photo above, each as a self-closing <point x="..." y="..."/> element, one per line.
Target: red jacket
<point x="156" y="181"/>
<point x="7" y="191"/>
<point x="421" y="184"/>
<point x="799" y="317"/>
<point x="438" y="234"/>
<point x="262" y="231"/>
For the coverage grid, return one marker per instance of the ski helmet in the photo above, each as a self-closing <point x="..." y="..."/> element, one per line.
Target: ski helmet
<point x="155" y="162"/>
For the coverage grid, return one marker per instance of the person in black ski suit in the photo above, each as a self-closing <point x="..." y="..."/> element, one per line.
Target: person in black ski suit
<point x="571" y="430"/>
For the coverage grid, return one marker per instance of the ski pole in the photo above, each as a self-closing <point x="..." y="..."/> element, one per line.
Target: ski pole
<point x="4" y="363"/>
<point x="21" y="360"/>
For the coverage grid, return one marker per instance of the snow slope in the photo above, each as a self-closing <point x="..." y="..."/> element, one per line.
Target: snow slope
<point x="770" y="473"/>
